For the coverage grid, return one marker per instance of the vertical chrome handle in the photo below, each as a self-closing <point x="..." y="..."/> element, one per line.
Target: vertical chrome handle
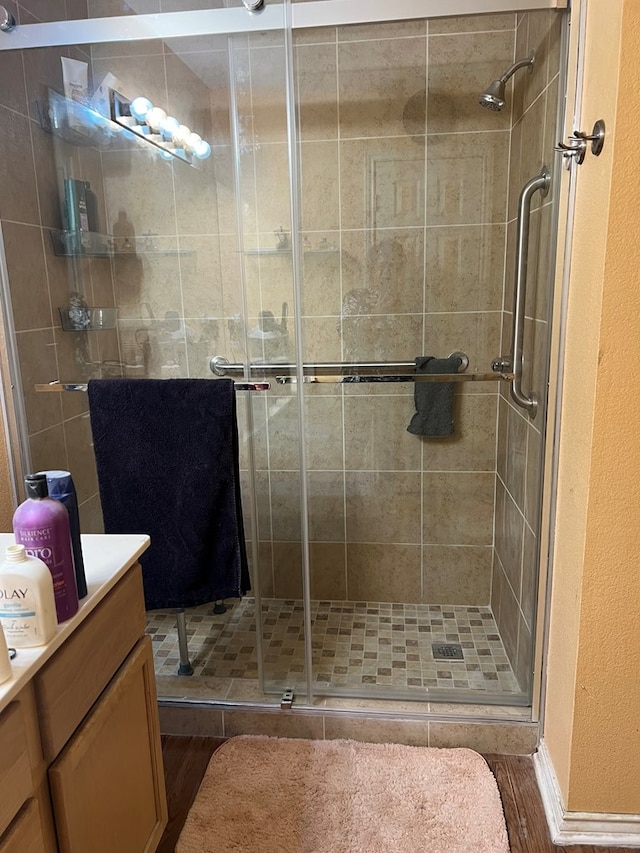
<point x="540" y="183"/>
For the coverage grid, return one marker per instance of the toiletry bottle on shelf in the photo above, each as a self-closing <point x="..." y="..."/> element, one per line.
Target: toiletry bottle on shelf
<point x="78" y="311"/>
<point x="41" y="524"/>
<point x="61" y="488"/>
<point x="83" y="210"/>
<point x="71" y="217"/>
<point x="5" y="663"/>
<point x="92" y="207"/>
<point x="27" y="602"/>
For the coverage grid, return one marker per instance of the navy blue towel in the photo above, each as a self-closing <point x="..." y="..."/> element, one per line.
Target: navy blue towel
<point x="433" y="417"/>
<point x="167" y="458"/>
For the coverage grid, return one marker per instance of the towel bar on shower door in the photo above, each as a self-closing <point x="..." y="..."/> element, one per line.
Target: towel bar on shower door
<point x="346" y="372"/>
<point x="185" y="667"/>
<point x="396" y="377"/>
<point x="219" y="365"/>
<point x="58" y="386"/>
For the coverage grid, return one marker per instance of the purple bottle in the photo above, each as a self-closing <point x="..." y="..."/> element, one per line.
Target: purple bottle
<point x="41" y="524"/>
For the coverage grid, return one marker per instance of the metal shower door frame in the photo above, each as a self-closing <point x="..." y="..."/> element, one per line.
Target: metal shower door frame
<point x="317" y="13"/>
<point x="171" y="25"/>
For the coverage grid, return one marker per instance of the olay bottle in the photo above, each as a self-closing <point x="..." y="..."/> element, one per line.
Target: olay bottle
<point x="41" y="524"/>
<point x="27" y="600"/>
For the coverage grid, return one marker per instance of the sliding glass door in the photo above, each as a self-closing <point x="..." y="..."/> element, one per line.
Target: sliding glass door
<point x="327" y="215"/>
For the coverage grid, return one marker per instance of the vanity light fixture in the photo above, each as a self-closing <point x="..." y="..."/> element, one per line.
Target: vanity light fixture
<point x="155" y="126"/>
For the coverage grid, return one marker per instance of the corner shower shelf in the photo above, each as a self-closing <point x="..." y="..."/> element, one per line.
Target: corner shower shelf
<point x="90" y="319"/>
<point x="73" y="244"/>
<point x="71" y="121"/>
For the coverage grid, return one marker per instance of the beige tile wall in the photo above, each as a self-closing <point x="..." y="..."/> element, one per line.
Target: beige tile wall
<point x="39" y="281"/>
<point x="180" y="269"/>
<point x="405" y="175"/>
<point x="112" y="8"/>
<point x="499" y="737"/>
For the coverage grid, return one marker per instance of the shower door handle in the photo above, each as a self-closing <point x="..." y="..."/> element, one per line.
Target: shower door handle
<point x="540" y="183"/>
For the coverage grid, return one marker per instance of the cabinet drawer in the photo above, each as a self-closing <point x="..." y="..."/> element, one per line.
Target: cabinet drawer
<point x="25" y="835"/>
<point x="15" y="767"/>
<point x="76" y="675"/>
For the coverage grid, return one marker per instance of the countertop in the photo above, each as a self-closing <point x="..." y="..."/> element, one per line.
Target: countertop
<point x="106" y="559"/>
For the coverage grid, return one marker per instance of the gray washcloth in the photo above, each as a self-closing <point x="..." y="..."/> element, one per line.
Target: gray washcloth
<point x="434" y="400"/>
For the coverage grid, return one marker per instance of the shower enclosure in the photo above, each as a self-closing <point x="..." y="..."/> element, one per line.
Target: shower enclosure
<point x="347" y="207"/>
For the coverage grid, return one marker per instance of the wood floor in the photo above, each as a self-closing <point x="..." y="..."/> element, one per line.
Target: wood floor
<point x="186" y="759"/>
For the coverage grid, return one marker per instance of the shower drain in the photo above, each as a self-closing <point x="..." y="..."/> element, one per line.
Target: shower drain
<point x="447" y="651"/>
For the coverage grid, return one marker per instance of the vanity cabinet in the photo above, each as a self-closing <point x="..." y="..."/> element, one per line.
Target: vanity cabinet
<point x="80" y="755"/>
<point x="25" y="810"/>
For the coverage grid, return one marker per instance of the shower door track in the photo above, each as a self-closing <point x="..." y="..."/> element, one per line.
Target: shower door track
<point x="318" y="13"/>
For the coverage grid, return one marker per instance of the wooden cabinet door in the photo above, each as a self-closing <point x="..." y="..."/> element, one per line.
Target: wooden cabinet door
<point x="70" y="683"/>
<point x="107" y="784"/>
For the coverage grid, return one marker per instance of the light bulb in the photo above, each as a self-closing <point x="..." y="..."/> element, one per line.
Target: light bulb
<point x="165" y="155"/>
<point x="169" y="127"/>
<point x="181" y="136"/>
<point x="203" y="150"/>
<point x="155" y="117"/>
<point x="194" y="140"/>
<point x="139" y="108"/>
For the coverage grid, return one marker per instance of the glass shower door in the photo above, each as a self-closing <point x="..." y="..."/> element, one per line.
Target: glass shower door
<point x="260" y="122"/>
<point x="176" y="249"/>
<point x="422" y="541"/>
<point x="378" y="556"/>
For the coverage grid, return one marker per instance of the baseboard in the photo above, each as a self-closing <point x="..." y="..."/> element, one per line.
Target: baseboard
<point x="600" y="829"/>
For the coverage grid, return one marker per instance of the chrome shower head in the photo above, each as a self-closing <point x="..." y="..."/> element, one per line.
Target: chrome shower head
<point x="493" y="96"/>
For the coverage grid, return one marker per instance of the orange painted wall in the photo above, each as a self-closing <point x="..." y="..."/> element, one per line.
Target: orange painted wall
<point x="591" y="720"/>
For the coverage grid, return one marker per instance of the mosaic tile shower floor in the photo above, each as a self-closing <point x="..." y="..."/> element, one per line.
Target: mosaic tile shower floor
<point x="354" y="644"/>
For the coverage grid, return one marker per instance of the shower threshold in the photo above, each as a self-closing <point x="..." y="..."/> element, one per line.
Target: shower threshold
<point x="355" y="646"/>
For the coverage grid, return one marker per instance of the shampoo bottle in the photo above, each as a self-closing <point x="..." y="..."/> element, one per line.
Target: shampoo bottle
<point x="41" y="524"/>
<point x="61" y="488"/>
<point x="92" y="207"/>
<point x="27" y="602"/>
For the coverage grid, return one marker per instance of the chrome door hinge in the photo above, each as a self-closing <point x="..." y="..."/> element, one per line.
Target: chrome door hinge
<point x="576" y="150"/>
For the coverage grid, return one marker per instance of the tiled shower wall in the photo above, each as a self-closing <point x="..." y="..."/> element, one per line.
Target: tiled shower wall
<point x="168" y="293"/>
<point x="406" y="175"/>
<point x="40" y="282"/>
